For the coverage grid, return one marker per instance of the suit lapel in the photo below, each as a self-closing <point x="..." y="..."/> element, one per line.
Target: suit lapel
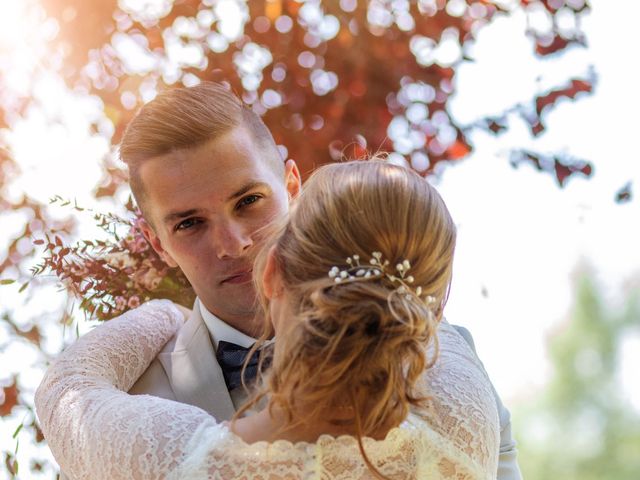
<point x="193" y="371"/>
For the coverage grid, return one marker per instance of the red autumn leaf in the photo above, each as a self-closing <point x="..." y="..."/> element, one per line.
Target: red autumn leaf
<point x="561" y="167"/>
<point x="8" y="398"/>
<point x="537" y="128"/>
<point x="624" y="194"/>
<point x="496" y="126"/>
<point x="557" y="44"/>
<point x="565" y="170"/>
<point x="534" y="159"/>
<point x="33" y="335"/>
<point x="39" y="435"/>
<point x="106" y="191"/>
<point x="571" y="91"/>
<point x="458" y="150"/>
<point x="11" y="463"/>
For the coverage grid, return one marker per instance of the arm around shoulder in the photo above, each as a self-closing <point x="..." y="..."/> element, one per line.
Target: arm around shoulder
<point x="80" y="404"/>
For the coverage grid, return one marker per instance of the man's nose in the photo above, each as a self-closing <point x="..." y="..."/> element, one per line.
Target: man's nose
<point x="231" y="240"/>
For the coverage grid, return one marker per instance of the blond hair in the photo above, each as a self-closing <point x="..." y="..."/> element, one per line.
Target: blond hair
<point x="357" y="344"/>
<point x="183" y="118"/>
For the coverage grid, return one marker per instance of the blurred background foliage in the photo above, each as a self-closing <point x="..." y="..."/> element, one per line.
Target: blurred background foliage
<point x="581" y="426"/>
<point x="330" y="78"/>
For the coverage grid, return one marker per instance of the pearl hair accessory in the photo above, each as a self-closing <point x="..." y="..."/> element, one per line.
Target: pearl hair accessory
<point x="377" y="268"/>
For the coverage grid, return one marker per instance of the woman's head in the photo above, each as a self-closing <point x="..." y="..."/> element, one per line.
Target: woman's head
<point x="359" y="343"/>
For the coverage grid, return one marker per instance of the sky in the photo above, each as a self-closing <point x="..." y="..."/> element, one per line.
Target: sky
<point x="520" y="237"/>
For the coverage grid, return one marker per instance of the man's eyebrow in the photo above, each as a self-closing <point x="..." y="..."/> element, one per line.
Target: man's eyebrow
<point x="247" y="187"/>
<point x="171" y="217"/>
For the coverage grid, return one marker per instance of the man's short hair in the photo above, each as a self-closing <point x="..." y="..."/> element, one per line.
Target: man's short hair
<point x="184" y="118"/>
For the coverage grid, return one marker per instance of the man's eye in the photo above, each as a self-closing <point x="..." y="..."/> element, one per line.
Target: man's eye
<point x="248" y="200"/>
<point x="187" y="224"/>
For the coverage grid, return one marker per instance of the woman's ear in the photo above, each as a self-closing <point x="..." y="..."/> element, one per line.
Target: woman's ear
<point x="292" y="179"/>
<point x="271" y="278"/>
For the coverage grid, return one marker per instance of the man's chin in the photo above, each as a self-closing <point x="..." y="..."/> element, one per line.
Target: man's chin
<point x="238" y="288"/>
<point x="232" y="300"/>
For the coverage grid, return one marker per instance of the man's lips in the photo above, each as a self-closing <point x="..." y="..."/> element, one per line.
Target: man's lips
<point x="244" y="276"/>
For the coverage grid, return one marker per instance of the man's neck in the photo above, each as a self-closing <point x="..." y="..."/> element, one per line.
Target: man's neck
<point x="249" y="324"/>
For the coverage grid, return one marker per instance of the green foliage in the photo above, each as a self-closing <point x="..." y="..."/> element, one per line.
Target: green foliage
<point x="581" y="427"/>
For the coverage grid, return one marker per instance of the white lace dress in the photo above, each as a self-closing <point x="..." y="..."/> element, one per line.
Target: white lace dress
<point x="96" y="431"/>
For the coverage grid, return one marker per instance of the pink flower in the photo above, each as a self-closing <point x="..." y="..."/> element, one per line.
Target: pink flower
<point x="134" y="302"/>
<point x="121" y="303"/>
<point x="141" y="245"/>
<point x="148" y="278"/>
<point x="119" y="260"/>
<point x="137" y="222"/>
<point x="135" y="242"/>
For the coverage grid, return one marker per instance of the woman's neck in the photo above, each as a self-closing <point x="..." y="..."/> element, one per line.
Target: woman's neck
<point x="271" y="426"/>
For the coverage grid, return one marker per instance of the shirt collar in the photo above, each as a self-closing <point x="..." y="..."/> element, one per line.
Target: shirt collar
<point x="221" y="331"/>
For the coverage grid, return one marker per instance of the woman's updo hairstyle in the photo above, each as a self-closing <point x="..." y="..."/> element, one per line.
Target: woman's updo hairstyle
<point x="359" y="345"/>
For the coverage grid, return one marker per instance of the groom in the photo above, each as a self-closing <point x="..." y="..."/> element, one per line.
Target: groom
<point x="208" y="178"/>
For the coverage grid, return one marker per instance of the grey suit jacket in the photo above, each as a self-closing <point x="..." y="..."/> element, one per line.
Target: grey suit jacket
<point x="186" y="370"/>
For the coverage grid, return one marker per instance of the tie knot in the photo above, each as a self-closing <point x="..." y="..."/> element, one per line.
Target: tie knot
<point x="231" y="358"/>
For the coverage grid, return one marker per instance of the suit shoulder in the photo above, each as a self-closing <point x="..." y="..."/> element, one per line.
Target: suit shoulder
<point x="466" y="334"/>
<point x="170" y="345"/>
<point x="188" y="315"/>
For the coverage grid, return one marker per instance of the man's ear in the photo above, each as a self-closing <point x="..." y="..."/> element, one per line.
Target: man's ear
<point x="271" y="279"/>
<point x="154" y="240"/>
<point x="292" y="179"/>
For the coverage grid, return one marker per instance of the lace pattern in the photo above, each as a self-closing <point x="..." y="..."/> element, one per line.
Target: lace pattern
<point x="462" y="407"/>
<point x="97" y="431"/>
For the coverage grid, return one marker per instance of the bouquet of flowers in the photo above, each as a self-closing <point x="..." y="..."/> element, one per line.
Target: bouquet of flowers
<point x="114" y="275"/>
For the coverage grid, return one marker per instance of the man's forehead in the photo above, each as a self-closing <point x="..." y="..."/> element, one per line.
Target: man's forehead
<point x="178" y="187"/>
<point x="206" y="174"/>
<point x="224" y="168"/>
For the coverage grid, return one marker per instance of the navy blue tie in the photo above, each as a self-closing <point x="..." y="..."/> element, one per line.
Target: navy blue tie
<point x="231" y="358"/>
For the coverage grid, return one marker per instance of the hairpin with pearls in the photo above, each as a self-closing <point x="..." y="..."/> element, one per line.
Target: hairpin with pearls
<point x="377" y="268"/>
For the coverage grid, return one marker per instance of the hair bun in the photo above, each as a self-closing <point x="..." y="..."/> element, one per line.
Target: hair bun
<point x="372" y="314"/>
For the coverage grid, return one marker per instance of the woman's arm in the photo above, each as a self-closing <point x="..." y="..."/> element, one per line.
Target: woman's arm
<point x="462" y="406"/>
<point x="93" y="428"/>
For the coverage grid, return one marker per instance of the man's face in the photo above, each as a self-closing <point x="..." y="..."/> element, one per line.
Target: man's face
<point x="207" y="206"/>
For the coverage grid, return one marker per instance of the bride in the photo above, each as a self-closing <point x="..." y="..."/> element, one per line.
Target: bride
<point x="353" y="285"/>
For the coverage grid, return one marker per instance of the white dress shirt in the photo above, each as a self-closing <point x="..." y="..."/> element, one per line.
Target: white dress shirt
<point x="221" y="331"/>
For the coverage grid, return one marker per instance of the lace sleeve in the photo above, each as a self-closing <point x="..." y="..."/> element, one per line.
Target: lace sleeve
<point x="93" y="428"/>
<point x="462" y="406"/>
